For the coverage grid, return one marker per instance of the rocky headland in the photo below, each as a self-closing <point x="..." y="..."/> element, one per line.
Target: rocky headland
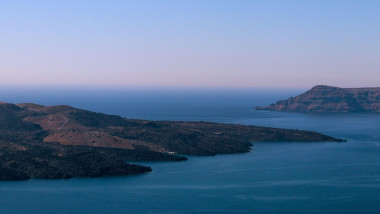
<point x="323" y="98"/>
<point x="63" y="142"/>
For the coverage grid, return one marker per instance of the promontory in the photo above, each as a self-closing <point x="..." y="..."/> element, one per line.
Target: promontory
<point x="62" y="142"/>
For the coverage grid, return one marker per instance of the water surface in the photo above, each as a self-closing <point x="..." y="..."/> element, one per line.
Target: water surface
<point x="274" y="178"/>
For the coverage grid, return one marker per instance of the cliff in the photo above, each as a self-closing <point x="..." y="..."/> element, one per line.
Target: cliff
<point x="63" y="142"/>
<point x="323" y="98"/>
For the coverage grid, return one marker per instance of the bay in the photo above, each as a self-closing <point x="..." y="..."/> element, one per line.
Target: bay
<point x="275" y="177"/>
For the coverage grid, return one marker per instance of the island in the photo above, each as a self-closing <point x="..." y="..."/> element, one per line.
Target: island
<point x="324" y="98"/>
<point x="52" y="142"/>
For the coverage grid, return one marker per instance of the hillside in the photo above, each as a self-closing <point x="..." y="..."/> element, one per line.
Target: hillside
<point x="330" y="99"/>
<point x="63" y="142"/>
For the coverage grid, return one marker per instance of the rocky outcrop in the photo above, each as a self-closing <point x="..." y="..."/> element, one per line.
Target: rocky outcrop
<point x="323" y="98"/>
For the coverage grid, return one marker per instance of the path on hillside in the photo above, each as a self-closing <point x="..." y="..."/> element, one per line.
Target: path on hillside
<point x="64" y="123"/>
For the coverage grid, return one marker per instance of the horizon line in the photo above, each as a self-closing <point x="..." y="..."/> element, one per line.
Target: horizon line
<point x="196" y="87"/>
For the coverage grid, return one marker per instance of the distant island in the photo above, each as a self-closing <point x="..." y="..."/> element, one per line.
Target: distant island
<point x="324" y="98"/>
<point x="52" y="142"/>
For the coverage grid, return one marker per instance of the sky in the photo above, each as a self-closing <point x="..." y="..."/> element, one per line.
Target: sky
<point x="194" y="43"/>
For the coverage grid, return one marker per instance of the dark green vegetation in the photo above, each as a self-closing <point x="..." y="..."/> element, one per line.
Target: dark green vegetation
<point x="323" y="98"/>
<point x="64" y="142"/>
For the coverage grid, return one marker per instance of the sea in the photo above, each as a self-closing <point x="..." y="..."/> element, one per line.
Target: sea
<point x="276" y="177"/>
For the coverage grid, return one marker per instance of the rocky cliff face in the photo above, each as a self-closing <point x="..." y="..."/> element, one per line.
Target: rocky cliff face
<point x="323" y="98"/>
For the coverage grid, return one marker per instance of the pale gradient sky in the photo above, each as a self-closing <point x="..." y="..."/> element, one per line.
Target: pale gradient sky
<point x="197" y="43"/>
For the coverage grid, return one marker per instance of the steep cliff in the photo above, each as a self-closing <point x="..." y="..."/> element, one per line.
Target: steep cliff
<point x="323" y="98"/>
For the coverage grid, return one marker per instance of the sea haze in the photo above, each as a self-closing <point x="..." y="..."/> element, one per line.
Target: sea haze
<point x="273" y="178"/>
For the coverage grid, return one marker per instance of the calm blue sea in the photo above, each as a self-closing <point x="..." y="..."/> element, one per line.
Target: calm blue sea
<point x="274" y="178"/>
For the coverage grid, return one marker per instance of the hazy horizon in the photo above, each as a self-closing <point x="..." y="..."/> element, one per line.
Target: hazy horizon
<point x="196" y="44"/>
<point x="78" y="87"/>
